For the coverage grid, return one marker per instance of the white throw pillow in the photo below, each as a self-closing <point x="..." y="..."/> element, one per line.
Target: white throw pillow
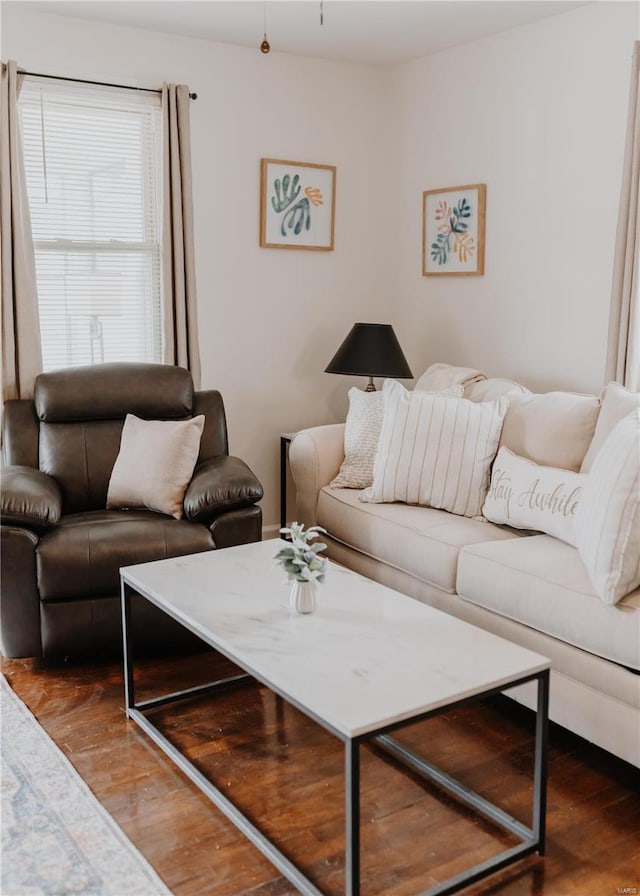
<point x="435" y="450"/>
<point x="155" y="464"/>
<point x="361" y="435"/>
<point x="608" y="516"/>
<point x="615" y="403"/>
<point x="526" y="495"/>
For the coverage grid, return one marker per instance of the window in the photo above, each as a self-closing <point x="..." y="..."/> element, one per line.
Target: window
<point x="92" y="159"/>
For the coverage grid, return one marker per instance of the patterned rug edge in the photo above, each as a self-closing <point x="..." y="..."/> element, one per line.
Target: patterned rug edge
<point x="56" y="835"/>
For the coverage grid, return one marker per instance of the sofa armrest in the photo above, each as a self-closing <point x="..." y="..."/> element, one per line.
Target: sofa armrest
<point x="315" y="456"/>
<point x="221" y="484"/>
<point x="30" y="499"/>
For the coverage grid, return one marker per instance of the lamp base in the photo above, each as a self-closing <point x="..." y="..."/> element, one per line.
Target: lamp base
<point x="370" y="385"/>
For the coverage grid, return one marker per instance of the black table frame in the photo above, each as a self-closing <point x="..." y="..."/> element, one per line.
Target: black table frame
<point x="285" y="440"/>
<point x="532" y="839"/>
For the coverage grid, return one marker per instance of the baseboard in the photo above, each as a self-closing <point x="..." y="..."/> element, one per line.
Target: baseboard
<point x="270" y="532"/>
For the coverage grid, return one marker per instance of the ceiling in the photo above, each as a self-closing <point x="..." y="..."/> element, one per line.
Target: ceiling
<point x="382" y="32"/>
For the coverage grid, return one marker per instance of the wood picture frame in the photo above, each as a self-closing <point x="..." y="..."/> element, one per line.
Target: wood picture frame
<point x="297" y="205"/>
<point x="453" y="226"/>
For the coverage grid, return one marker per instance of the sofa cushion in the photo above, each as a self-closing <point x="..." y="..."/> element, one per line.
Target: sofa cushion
<point x="421" y="541"/>
<point x="615" y="403"/>
<point x="542" y="583"/>
<point x="83" y="555"/>
<point x="554" y="429"/>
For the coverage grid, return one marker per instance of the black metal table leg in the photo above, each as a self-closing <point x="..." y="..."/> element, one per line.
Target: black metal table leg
<point x="283" y="481"/>
<point x="352" y="817"/>
<point x="129" y="687"/>
<point x="540" y="768"/>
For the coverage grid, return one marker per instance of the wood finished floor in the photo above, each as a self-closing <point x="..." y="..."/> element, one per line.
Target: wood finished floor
<point x="287" y="773"/>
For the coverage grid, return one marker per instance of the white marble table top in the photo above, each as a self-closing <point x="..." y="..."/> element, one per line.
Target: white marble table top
<point x="369" y="656"/>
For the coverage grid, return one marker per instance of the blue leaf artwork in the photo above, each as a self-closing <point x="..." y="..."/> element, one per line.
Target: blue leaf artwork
<point x="295" y="215"/>
<point x="453" y="230"/>
<point x="452" y="226"/>
<point x="297" y="204"/>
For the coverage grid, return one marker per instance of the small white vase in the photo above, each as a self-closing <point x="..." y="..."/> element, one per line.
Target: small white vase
<point x="302" y="597"/>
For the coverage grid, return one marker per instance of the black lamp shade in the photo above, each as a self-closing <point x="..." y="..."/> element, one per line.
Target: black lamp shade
<point x="370" y="350"/>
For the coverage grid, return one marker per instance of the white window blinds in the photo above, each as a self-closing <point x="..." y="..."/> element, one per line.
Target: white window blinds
<point x="92" y="158"/>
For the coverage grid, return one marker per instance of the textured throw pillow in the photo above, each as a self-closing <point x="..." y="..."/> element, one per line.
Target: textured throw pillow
<point x="608" y="516"/>
<point x="615" y="403"/>
<point x="435" y="450"/>
<point x="554" y="429"/>
<point x="361" y="435"/>
<point x="155" y="464"/>
<point x="526" y="495"/>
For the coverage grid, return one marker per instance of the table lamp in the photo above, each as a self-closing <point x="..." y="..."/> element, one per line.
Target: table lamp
<point x="370" y="350"/>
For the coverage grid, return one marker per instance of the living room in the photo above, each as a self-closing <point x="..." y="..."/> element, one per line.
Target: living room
<point x="534" y="108"/>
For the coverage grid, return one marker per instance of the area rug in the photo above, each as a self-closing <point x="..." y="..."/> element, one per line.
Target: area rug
<point x="57" y="839"/>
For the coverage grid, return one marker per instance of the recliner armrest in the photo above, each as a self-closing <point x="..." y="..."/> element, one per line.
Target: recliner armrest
<point x="30" y="499"/>
<point x="220" y="484"/>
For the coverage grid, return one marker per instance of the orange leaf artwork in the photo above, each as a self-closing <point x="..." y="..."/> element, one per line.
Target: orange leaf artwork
<point x="314" y="195"/>
<point x="464" y="246"/>
<point x="442" y="211"/>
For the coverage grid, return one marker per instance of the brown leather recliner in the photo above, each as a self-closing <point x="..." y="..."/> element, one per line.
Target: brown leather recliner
<point x="62" y="549"/>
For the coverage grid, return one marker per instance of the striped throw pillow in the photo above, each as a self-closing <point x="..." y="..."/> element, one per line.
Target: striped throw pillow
<point x="435" y="451"/>
<point x="607" y="524"/>
<point x="361" y="434"/>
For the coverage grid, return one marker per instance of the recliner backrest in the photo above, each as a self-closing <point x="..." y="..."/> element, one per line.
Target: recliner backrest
<point x="78" y="420"/>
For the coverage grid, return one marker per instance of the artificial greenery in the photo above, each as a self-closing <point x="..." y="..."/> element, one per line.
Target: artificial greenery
<point x="299" y="559"/>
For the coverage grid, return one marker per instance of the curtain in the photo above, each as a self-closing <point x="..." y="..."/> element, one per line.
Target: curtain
<point x="21" y="354"/>
<point x="178" y="260"/>
<point x="623" y="356"/>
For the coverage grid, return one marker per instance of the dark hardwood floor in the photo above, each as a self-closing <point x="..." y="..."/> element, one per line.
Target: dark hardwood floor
<point x="287" y="773"/>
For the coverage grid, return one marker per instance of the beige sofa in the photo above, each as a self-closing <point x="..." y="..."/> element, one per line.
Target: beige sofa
<point x="529" y="588"/>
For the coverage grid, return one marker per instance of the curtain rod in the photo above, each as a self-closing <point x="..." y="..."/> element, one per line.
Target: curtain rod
<point x="193" y="96"/>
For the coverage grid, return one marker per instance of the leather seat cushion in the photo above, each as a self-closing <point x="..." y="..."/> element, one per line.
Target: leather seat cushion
<point x="82" y="557"/>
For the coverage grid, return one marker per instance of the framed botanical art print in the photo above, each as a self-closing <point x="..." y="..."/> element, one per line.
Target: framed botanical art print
<point x="453" y="231"/>
<point x="297" y="205"/>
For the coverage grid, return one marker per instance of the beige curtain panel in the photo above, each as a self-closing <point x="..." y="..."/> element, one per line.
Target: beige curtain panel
<point x="178" y="257"/>
<point x="623" y="357"/>
<point x="21" y="354"/>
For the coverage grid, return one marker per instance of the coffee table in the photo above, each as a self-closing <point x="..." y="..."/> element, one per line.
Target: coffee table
<point x="368" y="662"/>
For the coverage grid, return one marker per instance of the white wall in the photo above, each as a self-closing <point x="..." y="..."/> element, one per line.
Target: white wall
<point x="270" y="319"/>
<point x="537" y="113"/>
